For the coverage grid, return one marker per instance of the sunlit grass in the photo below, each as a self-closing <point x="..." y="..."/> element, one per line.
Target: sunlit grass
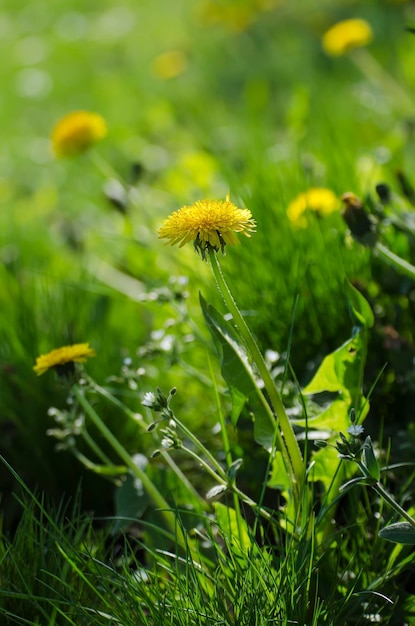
<point x="201" y="100"/>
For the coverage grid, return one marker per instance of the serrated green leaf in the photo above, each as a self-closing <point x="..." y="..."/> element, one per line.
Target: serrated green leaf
<point x="339" y="370"/>
<point x="401" y="532"/>
<point x="359" y="306"/>
<point x="238" y="373"/>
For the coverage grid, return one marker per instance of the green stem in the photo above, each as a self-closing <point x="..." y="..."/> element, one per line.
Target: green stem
<point x="392" y="502"/>
<point x="394" y="260"/>
<point x="381" y="491"/>
<point x="102" y="470"/>
<point x="291" y="445"/>
<point x="228" y="453"/>
<point x="201" y="447"/>
<point x="232" y="487"/>
<point x="95" y="448"/>
<point x="120" y="405"/>
<point x="148" y="485"/>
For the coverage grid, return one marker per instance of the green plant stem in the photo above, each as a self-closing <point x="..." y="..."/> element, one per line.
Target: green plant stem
<point x="402" y="266"/>
<point x="231" y="486"/>
<point x="292" y="448"/>
<point x="120" y="405"/>
<point x="228" y="452"/>
<point x="95" y="448"/>
<point x="381" y="491"/>
<point x="151" y="489"/>
<point x="200" y="446"/>
<point x="102" y="470"/>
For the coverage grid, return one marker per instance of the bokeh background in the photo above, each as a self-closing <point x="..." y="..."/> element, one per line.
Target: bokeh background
<point x="202" y="98"/>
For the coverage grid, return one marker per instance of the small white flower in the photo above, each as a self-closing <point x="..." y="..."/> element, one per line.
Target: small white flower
<point x="149" y="399"/>
<point x="355" y="430"/>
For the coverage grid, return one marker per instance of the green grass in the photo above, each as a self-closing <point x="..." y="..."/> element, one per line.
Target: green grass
<point x="262" y="113"/>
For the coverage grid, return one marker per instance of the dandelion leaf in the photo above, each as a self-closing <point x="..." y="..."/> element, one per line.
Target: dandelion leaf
<point x="340" y="373"/>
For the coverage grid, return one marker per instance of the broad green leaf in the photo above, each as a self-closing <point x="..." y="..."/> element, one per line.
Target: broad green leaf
<point x="234" y="530"/>
<point x="401" y="532"/>
<point x="131" y="501"/>
<point x="238" y="373"/>
<point x="278" y="478"/>
<point x="340" y="372"/>
<point x="359" y="306"/>
<point x="325" y="464"/>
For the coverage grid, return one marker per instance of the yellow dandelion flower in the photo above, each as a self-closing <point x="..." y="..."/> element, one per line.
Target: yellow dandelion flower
<point x="210" y="224"/>
<point x="76" y="132"/>
<point x="169" y="64"/>
<point x="63" y="359"/>
<point x="346" y="35"/>
<point x="318" y="199"/>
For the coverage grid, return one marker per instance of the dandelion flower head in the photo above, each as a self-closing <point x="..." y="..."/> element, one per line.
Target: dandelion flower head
<point x="346" y="35"/>
<point x="210" y="224"/>
<point x="62" y="359"/>
<point x="77" y="132"/>
<point x="318" y="199"/>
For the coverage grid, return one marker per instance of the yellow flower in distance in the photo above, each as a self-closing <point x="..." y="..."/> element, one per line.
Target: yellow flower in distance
<point x="169" y="64"/>
<point x="346" y="35"/>
<point x="318" y="199"/>
<point x="63" y="359"/>
<point x="76" y="132"/>
<point x="210" y="224"/>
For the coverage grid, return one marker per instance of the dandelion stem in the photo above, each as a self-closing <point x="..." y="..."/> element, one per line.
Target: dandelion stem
<point x="292" y="449"/>
<point x="95" y="448"/>
<point x="151" y="489"/>
<point x="120" y="405"/>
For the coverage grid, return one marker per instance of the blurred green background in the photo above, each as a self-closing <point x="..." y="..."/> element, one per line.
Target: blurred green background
<point x="201" y="98"/>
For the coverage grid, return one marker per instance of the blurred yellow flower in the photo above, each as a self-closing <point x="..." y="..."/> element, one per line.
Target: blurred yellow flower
<point x="210" y="224"/>
<point x="62" y="359"/>
<point x="193" y="170"/>
<point x="346" y="35"/>
<point x="169" y="64"/>
<point x="76" y="132"/>
<point x="318" y="199"/>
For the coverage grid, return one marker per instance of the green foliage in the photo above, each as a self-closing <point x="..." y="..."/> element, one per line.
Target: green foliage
<point x="237" y="371"/>
<point x="399" y="532"/>
<point x="259" y="111"/>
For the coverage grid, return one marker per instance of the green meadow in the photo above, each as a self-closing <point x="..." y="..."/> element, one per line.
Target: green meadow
<point x="220" y="432"/>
